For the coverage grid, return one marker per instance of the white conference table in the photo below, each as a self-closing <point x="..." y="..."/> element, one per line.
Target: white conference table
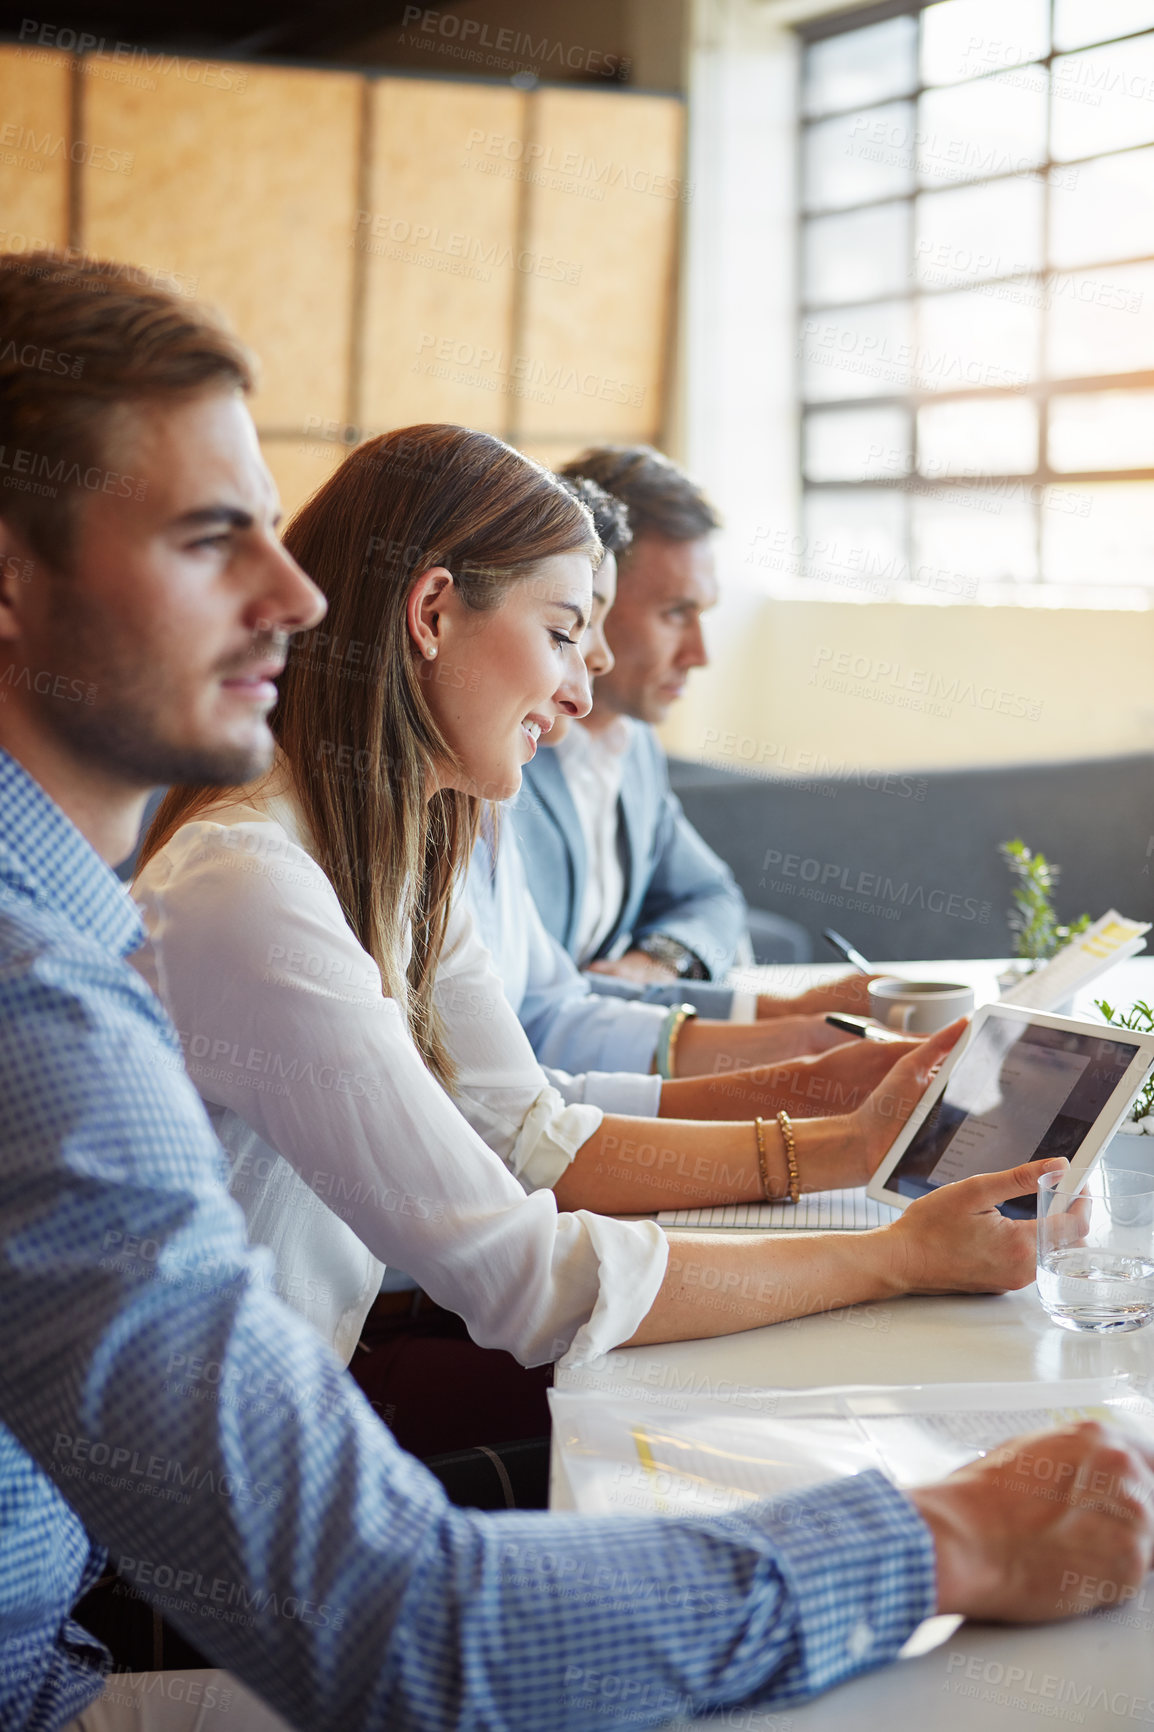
<point x="1095" y="1672"/>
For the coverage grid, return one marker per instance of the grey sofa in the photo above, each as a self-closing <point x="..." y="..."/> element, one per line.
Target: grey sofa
<point x="906" y="865"/>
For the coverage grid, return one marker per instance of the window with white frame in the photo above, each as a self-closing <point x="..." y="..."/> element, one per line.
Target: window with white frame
<point x="976" y="349"/>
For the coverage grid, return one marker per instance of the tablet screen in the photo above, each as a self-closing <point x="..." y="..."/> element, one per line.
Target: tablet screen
<point x="1020" y="1092"/>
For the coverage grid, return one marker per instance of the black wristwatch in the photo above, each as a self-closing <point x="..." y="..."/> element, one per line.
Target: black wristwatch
<point x="668" y="951"/>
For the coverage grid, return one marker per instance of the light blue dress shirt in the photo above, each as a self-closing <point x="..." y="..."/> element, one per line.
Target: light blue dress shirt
<point x="202" y="1431"/>
<point x="593" y="1048"/>
<point x="674" y="882"/>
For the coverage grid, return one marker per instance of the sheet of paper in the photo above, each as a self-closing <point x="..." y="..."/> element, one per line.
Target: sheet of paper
<point x="630" y="1455"/>
<point x="829" y="1211"/>
<point x="638" y="1457"/>
<point x="1111" y="939"/>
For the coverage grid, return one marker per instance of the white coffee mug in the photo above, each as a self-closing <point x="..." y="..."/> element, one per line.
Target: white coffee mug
<point x="918" y="1006"/>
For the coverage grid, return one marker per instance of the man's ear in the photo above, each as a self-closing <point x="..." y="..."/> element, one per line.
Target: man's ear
<point x="17" y="568"/>
<point x="425" y="607"/>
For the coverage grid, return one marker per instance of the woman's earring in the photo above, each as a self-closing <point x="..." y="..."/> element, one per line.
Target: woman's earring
<point x="430" y="651"/>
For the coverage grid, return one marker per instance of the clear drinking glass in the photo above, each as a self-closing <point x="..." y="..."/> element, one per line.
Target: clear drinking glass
<point x="1096" y="1250"/>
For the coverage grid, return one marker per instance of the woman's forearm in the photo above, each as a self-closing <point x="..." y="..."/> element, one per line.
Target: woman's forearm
<point x="748" y="1094"/>
<point x="719" y="1284"/>
<point x="705" y="1047"/>
<point x="636" y="1166"/>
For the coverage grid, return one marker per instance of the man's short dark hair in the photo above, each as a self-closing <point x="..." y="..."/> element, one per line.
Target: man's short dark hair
<point x="80" y="337"/>
<point x="660" y="497"/>
<point x="610" y="515"/>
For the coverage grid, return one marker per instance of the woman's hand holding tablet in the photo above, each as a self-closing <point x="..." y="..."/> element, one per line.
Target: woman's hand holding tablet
<point x="1032" y="1081"/>
<point x="956" y="1239"/>
<point x="871" y="1129"/>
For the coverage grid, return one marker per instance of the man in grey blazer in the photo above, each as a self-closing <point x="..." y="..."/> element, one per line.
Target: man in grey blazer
<point x="620" y="876"/>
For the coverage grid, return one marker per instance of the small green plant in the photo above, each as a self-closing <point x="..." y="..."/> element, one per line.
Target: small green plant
<point x="1140" y="1019"/>
<point x="1033" y="918"/>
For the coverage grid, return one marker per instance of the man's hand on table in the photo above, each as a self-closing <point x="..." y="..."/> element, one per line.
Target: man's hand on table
<point x="637" y="966"/>
<point x="847" y="995"/>
<point x="707" y="1048"/>
<point x="1047" y="1526"/>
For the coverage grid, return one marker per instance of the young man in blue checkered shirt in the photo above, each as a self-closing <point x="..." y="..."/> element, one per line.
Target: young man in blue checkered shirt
<point x="145" y="607"/>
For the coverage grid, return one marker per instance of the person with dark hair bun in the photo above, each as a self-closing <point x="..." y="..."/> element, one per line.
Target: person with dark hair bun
<point x="610" y="515"/>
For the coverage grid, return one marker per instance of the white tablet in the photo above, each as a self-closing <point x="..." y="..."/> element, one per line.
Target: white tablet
<point x="1019" y="1086"/>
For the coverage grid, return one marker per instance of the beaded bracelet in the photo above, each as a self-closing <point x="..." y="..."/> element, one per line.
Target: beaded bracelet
<point x="786" y="1126"/>
<point x="762" y="1164"/>
<point x="667" y="1040"/>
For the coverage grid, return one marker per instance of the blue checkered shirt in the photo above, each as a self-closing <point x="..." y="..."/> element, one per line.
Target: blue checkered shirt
<point x="152" y="1383"/>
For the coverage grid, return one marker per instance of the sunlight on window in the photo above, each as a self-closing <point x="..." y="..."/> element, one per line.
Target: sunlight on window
<point x="964" y="38"/>
<point x="975" y="350"/>
<point x="1106" y="430"/>
<point x="983" y="436"/>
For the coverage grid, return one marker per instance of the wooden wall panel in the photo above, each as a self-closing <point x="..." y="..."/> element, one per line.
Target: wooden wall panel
<point x="596" y="348"/>
<point x="35" y="145"/>
<point x="440" y="251"/>
<point x="247" y="185"/>
<point x="299" y="466"/>
<point x="479" y="254"/>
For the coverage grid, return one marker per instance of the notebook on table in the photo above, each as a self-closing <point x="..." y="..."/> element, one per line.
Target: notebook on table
<point x="817" y="1211"/>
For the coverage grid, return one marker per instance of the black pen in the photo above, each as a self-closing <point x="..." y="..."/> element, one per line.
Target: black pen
<point x="861" y="1025"/>
<point x="846" y="949"/>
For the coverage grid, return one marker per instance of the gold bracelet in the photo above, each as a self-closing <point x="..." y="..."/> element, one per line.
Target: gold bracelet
<point x="786" y="1126"/>
<point x="763" y="1166"/>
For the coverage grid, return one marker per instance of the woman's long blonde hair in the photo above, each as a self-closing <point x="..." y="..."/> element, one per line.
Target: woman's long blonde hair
<point x="353" y="719"/>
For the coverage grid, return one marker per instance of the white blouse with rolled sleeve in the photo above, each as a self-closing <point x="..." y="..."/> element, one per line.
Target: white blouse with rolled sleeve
<point x="345" y="1153"/>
